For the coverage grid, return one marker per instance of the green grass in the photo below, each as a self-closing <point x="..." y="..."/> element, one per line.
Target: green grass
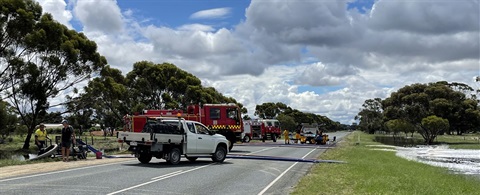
<point x="468" y="141"/>
<point x="380" y="172"/>
<point x="108" y="144"/>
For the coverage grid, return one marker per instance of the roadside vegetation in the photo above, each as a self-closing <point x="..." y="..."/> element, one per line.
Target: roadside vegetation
<point x="368" y="171"/>
<point x="430" y="110"/>
<point x="10" y="152"/>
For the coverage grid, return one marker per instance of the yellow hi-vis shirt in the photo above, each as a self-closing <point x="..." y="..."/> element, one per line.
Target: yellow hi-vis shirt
<point x="41" y="135"/>
<point x="285" y="133"/>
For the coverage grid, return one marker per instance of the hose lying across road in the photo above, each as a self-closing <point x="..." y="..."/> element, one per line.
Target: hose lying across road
<point x="95" y="151"/>
<point x="239" y="156"/>
<point x="277" y="158"/>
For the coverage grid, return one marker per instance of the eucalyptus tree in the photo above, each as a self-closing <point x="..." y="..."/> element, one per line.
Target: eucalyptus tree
<point x="8" y="120"/>
<point x="270" y="110"/>
<point x="371" y="116"/>
<point x="162" y="86"/>
<point x="432" y="126"/>
<point x="442" y="99"/>
<point x="267" y="110"/>
<point x="17" y="20"/>
<point x="287" y="122"/>
<point x="284" y="113"/>
<point x="105" y="100"/>
<point x="50" y="60"/>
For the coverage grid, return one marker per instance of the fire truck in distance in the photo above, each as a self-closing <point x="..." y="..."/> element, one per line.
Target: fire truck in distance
<point x="225" y="119"/>
<point x="263" y="129"/>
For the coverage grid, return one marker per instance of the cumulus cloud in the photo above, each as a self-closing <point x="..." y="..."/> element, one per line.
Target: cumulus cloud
<point x="58" y="9"/>
<point x="103" y="16"/>
<point x="211" y="13"/>
<point x="282" y="46"/>
<point x="196" y="27"/>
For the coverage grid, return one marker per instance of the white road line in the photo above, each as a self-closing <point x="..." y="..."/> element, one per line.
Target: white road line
<point x="166" y="175"/>
<point x="62" y="171"/>
<point x="176" y="173"/>
<point x="162" y="178"/>
<point x="276" y="179"/>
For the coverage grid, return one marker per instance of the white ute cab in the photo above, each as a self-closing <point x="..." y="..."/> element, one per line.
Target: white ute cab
<point x="170" y="138"/>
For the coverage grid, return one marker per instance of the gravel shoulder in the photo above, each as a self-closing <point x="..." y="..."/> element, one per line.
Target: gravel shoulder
<point x="28" y="169"/>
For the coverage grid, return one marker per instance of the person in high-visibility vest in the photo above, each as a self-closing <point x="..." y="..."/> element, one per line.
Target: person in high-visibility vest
<point x="297" y="136"/>
<point x="287" y="136"/>
<point x="41" y="136"/>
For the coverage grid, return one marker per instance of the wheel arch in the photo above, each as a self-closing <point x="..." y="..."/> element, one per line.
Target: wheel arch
<point x="222" y="144"/>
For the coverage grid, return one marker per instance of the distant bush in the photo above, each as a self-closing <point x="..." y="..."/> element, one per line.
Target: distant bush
<point x="21" y="130"/>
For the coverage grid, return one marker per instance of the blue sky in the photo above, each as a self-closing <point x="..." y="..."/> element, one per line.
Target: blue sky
<point x="319" y="56"/>
<point x="362" y="5"/>
<point x="175" y="13"/>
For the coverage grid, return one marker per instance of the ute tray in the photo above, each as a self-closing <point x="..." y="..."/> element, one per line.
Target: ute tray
<point x="162" y="128"/>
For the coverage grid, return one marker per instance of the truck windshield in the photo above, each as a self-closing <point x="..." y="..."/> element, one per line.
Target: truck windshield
<point x="232" y="113"/>
<point x="277" y="124"/>
<point x="269" y="123"/>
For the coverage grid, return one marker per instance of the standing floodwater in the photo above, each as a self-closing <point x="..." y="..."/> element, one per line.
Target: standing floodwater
<point x="23" y="157"/>
<point x="460" y="161"/>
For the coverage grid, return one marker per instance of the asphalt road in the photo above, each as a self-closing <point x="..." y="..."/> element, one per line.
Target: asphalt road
<point x="234" y="176"/>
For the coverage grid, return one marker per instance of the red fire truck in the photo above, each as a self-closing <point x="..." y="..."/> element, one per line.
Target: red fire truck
<point x="223" y="118"/>
<point x="261" y="129"/>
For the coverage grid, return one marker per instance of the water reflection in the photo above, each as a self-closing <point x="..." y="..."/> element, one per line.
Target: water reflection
<point x="23" y="157"/>
<point x="460" y="161"/>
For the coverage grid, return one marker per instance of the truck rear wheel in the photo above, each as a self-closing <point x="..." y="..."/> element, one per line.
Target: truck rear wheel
<point x="145" y="158"/>
<point x="220" y="154"/>
<point x="174" y="156"/>
<point x="274" y="137"/>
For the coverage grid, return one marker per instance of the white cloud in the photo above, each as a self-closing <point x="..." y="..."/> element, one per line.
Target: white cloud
<point x="58" y="10"/>
<point x="196" y="27"/>
<point x="282" y="46"/>
<point x="103" y="16"/>
<point x="211" y="13"/>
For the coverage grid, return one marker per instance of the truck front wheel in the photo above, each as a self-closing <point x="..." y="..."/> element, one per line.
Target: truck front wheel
<point x="145" y="158"/>
<point x="174" y="156"/>
<point x="220" y="154"/>
<point x="274" y="137"/>
<point x="246" y="139"/>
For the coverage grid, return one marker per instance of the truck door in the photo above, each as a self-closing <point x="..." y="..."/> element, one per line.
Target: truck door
<point x="205" y="142"/>
<point x="191" y="139"/>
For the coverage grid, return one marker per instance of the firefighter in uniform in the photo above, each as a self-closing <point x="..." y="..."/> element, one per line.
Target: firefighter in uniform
<point x="286" y="136"/>
<point x="297" y="136"/>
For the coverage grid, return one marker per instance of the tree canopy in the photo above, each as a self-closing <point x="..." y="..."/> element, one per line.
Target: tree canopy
<point x="40" y="59"/>
<point x="110" y="96"/>
<point x="286" y="116"/>
<point x="416" y="105"/>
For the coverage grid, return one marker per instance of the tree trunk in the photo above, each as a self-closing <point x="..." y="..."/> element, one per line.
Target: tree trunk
<point x="26" y="144"/>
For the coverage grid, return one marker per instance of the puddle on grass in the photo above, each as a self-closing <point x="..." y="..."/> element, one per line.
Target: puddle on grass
<point x="23" y="157"/>
<point x="459" y="161"/>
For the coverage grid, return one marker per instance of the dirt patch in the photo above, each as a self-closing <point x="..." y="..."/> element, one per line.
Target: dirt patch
<point x="20" y="170"/>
